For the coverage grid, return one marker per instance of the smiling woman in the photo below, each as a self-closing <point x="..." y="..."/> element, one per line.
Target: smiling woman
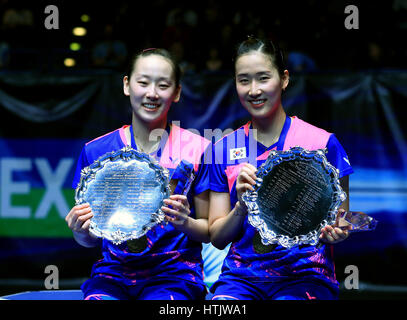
<point x="252" y="270"/>
<point x="166" y="262"/>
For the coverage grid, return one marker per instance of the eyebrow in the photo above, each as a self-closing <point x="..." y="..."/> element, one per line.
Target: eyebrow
<point x="148" y="77"/>
<point x="256" y="74"/>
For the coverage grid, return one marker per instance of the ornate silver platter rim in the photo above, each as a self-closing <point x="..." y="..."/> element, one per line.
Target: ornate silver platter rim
<point x="126" y="154"/>
<point x="250" y="197"/>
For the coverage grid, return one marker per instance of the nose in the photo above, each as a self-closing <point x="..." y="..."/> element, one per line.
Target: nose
<point x="152" y="92"/>
<point x="254" y="91"/>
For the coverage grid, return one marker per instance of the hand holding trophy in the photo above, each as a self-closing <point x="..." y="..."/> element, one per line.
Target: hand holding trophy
<point x="297" y="194"/>
<point x="126" y="190"/>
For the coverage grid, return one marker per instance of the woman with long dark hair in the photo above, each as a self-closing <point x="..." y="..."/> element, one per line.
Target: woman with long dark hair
<point x="166" y="263"/>
<point x="252" y="270"/>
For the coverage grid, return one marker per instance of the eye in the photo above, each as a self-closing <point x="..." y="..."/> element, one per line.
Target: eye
<point x="243" y="81"/>
<point x="164" y="86"/>
<point x="143" y="83"/>
<point x="264" y="78"/>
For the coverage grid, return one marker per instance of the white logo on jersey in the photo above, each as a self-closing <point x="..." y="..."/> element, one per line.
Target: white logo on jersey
<point x="237" y="153"/>
<point x="346" y="160"/>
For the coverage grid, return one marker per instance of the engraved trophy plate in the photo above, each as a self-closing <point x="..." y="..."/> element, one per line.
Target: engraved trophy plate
<point x="180" y="183"/>
<point x="125" y="190"/>
<point x="296" y="195"/>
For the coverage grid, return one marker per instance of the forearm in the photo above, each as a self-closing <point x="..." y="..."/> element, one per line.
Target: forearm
<point x="224" y="230"/>
<point x="195" y="229"/>
<point x="85" y="240"/>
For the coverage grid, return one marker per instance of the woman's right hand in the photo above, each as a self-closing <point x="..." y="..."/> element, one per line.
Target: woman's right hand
<point x="245" y="180"/>
<point x="78" y="220"/>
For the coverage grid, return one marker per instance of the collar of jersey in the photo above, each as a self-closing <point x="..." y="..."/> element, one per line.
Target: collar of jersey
<point x="279" y="145"/>
<point x="156" y="154"/>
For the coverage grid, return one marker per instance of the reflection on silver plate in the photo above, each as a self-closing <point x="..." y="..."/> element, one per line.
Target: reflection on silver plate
<point x="296" y="195"/>
<point x="125" y="190"/>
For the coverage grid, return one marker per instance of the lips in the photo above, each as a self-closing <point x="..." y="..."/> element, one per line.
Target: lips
<point x="150" y="106"/>
<point x="257" y="103"/>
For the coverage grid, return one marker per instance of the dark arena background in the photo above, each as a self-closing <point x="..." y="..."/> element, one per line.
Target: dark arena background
<point x="62" y="86"/>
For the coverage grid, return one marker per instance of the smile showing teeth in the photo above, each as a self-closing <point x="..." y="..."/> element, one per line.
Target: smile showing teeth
<point x="257" y="102"/>
<point x="150" y="105"/>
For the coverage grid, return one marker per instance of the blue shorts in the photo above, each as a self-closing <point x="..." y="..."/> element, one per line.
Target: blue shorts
<point x="99" y="288"/>
<point x="298" y="289"/>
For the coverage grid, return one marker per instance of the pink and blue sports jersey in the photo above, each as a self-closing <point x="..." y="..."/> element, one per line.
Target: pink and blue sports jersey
<point x="163" y="251"/>
<point x="276" y="263"/>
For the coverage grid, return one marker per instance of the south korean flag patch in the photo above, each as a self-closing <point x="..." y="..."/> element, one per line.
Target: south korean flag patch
<point x="238" y="153"/>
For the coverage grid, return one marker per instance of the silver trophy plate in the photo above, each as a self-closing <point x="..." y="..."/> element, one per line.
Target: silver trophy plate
<point x="125" y="190"/>
<point x="296" y="195"/>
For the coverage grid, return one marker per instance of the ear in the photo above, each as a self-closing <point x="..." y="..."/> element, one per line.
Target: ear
<point x="177" y="94"/>
<point x="126" y="85"/>
<point x="285" y="79"/>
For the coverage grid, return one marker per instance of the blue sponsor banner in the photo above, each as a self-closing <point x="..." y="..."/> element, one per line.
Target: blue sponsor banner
<point x="35" y="186"/>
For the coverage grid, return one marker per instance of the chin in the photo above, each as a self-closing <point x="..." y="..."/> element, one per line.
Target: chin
<point x="260" y="113"/>
<point x="156" y="117"/>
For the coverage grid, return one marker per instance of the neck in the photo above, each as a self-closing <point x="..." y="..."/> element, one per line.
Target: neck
<point x="268" y="129"/>
<point x="142" y="131"/>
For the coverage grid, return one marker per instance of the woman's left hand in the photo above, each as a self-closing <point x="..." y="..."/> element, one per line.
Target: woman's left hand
<point x="333" y="234"/>
<point x="180" y="211"/>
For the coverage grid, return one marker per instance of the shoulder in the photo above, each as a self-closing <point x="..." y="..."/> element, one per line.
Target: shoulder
<point x="118" y="133"/>
<point x="188" y="135"/>
<point x="188" y="140"/>
<point x="241" y="131"/>
<point x="108" y="142"/>
<point x="302" y="125"/>
<point x="306" y="135"/>
<point x="185" y="145"/>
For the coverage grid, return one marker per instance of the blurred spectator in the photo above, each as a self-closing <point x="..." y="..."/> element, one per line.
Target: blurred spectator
<point x="18" y="16"/>
<point x="295" y="59"/>
<point x="17" y="22"/>
<point x="17" y="35"/>
<point x="300" y="62"/>
<point x="374" y="55"/>
<point x="213" y="63"/>
<point x="174" y="30"/>
<point x="190" y="18"/>
<point x="177" y="49"/>
<point x="109" y="52"/>
<point x="399" y="5"/>
<point x="4" y="55"/>
<point x="190" y="29"/>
